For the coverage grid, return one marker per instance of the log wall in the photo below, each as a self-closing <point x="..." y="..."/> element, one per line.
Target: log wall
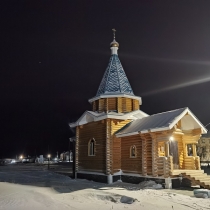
<point x="116" y="144"/>
<point x="149" y="153"/>
<point x="96" y="130"/>
<point x="131" y="164"/>
<point x="121" y="105"/>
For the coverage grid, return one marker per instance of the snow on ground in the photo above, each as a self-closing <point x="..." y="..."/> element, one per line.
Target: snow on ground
<point x="32" y="187"/>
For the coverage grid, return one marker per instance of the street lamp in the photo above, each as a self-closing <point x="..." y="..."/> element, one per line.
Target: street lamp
<point x="48" y="156"/>
<point x="73" y="151"/>
<point x="70" y="140"/>
<point x="21" y="158"/>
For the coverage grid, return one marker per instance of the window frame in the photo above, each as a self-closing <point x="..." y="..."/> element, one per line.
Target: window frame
<point x="93" y="149"/>
<point x="131" y="151"/>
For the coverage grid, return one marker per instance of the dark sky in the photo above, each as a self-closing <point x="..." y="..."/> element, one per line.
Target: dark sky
<point x="54" y="54"/>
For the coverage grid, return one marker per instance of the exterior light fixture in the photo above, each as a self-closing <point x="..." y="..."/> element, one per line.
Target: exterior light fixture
<point x="171" y="138"/>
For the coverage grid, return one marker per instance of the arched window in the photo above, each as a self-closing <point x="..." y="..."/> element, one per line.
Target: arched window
<point x="133" y="152"/>
<point x="91" y="147"/>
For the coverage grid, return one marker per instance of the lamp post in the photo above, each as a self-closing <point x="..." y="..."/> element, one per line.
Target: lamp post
<point x="73" y="151"/>
<point x="69" y="148"/>
<point x="48" y="156"/>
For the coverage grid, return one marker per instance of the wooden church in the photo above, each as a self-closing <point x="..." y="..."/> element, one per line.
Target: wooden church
<point x="117" y="140"/>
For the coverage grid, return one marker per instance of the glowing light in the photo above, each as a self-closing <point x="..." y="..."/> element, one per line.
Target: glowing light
<point x="181" y="85"/>
<point x="171" y="138"/>
<point x="203" y="79"/>
<point x="48" y="155"/>
<point x="21" y="157"/>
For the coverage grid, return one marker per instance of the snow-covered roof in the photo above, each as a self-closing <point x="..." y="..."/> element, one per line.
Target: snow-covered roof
<point x="90" y="116"/>
<point x="162" y="121"/>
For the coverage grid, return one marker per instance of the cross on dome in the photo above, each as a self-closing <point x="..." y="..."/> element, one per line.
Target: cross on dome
<point x="114" y="45"/>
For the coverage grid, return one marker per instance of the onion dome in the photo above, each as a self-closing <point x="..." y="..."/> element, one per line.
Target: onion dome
<point x="114" y="44"/>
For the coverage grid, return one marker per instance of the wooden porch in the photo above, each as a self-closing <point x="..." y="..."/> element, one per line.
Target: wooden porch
<point x="165" y="166"/>
<point x="197" y="177"/>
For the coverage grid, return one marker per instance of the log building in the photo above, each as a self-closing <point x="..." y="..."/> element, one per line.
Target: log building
<point x="117" y="140"/>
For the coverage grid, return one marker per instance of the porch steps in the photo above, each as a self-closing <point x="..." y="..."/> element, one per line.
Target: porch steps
<point x="198" y="177"/>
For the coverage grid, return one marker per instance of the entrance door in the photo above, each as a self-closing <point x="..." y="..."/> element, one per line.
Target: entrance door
<point x="173" y="151"/>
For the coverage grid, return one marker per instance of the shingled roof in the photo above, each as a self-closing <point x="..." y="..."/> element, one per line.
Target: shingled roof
<point x="114" y="80"/>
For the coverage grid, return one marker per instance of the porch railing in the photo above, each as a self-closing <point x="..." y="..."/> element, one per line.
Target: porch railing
<point x="164" y="165"/>
<point x="190" y="163"/>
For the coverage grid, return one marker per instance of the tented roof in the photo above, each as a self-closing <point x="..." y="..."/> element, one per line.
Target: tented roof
<point x="114" y="80"/>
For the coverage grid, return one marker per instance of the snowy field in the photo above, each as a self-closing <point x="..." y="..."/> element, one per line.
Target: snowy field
<point x="24" y="187"/>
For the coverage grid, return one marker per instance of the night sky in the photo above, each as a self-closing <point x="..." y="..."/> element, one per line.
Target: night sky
<point x="54" y="54"/>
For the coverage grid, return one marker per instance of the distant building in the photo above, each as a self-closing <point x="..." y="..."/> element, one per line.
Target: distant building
<point x="64" y="156"/>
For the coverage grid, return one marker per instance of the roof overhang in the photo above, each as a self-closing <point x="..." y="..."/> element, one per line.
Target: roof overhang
<point x="90" y="116"/>
<point x="185" y="112"/>
<point x="142" y="132"/>
<point x="115" y="96"/>
<point x="176" y="120"/>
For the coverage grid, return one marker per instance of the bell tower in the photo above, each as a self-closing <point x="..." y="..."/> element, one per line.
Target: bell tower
<point x="115" y="93"/>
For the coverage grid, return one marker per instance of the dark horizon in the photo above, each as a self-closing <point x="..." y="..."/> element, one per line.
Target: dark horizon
<point x="55" y="54"/>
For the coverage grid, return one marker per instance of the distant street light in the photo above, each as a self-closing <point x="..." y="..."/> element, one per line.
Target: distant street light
<point x="48" y="156"/>
<point x="21" y="158"/>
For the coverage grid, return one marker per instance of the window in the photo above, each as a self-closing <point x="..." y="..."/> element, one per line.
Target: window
<point x="91" y="147"/>
<point x="189" y="150"/>
<point x="133" y="151"/>
<point x="161" y="149"/>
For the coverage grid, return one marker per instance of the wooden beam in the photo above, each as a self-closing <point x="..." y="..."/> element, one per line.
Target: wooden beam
<point x="119" y="105"/>
<point x="106" y="108"/>
<point x="108" y="132"/>
<point x="144" y="155"/>
<point x="167" y="148"/>
<point x="154" y="154"/>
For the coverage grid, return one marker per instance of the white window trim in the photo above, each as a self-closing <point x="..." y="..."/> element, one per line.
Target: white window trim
<point x="131" y="151"/>
<point x="93" y="148"/>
